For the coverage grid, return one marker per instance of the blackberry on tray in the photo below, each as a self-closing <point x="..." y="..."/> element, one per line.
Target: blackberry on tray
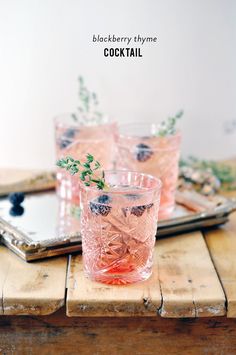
<point x="16" y="210"/>
<point x="16" y="198"/>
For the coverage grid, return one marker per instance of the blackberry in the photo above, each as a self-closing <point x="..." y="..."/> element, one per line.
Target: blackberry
<point x="16" y="198"/>
<point x="66" y="138"/>
<point x="16" y="210"/>
<point x="104" y="199"/>
<point x="138" y="210"/>
<point x="99" y="209"/>
<point x="143" y="152"/>
<point x="69" y="133"/>
<point x="98" y="206"/>
<point x="63" y="143"/>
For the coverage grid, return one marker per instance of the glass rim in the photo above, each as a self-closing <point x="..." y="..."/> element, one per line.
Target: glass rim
<point x="85" y="140"/>
<point x="157" y="149"/>
<point x="172" y="138"/>
<point x="144" y="124"/>
<point x="129" y="191"/>
<point x="57" y="118"/>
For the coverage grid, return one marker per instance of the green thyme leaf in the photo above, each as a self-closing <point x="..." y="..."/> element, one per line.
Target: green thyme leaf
<point x="86" y="165"/>
<point x="89" y="158"/>
<point x="168" y="127"/>
<point x="97" y="165"/>
<point x="87" y="110"/>
<point x="86" y="170"/>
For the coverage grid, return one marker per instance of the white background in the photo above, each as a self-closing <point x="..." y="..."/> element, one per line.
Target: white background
<point x="46" y="44"/>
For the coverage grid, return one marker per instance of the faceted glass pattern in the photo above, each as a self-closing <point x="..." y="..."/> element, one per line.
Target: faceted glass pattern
<point x="139" y="149"/>
<point x="118" y="227"/>
<point x="77" y="141"/>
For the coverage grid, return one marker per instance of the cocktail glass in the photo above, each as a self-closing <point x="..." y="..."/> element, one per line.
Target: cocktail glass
<point x="118" y="227"/>
<point x="76" y="140"/>
<point x="141" y="149"/>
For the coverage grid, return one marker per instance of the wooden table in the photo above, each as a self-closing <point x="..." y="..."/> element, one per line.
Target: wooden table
<point x="188" y="306"/>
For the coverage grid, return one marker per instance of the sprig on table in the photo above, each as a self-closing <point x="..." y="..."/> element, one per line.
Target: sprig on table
<point x="86" y="170"/>
<point x="168" y="127"/>
<point x="88" y="109"/>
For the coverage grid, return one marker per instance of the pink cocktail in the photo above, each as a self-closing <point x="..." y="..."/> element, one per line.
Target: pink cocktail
<point x="118" y="227"/>
<point x="76" y="141"/>
<point x="141" y="149"/>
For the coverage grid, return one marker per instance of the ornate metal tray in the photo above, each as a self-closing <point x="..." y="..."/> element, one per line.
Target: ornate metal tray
<point x="50" y="226"/>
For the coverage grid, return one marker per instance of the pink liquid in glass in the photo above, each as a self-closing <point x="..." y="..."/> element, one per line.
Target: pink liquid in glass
<point x="148" y="153"/>
<point x="77" y="141"/>
<point x="118" y="228"/>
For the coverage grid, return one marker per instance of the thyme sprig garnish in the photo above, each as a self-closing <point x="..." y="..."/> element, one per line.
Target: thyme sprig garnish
<point x="87" y="170"/>
<point x="88" y="112"/>
<point x="168" y="127"/>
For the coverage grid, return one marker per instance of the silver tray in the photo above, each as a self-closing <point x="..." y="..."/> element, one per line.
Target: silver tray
<point x="50" y="226"/>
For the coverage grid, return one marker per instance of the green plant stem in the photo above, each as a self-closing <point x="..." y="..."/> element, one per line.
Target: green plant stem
<point x="86" y="171"/>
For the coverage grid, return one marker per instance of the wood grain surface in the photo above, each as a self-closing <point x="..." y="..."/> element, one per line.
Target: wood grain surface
<point x="85" y="297"/>
<point x="187" y="281"/>
<point x="58" y="334"/>
<point x="184" y="284"/>
<point x="189" y="284"/>
<point x="222" y="246"/>
<point x="25" y="180"/>
<point x="31" y="288"/>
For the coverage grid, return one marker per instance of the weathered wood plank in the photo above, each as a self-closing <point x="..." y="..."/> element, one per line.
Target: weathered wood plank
<point x="12" y="180"/>
<point x="222" y="245"/>
<point x="58" y="334"/>
<point x="31" y="288"/>
<point x="88" y="298"/>
<point x="185" y="273"/>
<point x="189" y="283"/>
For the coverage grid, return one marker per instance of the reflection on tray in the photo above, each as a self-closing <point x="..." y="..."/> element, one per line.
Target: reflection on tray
<point x="68" y="221"/>
<point x="50" y="226"/>
<point x="195" y="211"/>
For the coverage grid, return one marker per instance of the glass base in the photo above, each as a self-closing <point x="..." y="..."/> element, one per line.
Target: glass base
<point x="120" y="278"/>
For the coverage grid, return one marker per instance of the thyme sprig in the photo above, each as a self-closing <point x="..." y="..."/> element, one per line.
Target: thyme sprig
<point x="168" y="127"/>
<point x="87" y="170"/>
<point x="88" y="112"/>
